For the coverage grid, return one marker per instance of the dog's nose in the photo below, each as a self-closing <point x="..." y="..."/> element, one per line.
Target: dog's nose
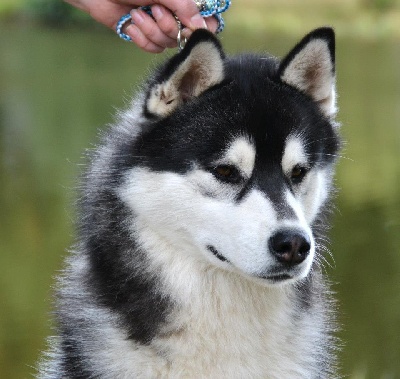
<point x="290" y="247"/>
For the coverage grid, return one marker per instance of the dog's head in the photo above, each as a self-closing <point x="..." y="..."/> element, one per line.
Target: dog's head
<point x="233" y="162"/>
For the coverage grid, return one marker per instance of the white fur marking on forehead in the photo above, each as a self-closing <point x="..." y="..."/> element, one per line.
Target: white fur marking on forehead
<point x="293" y="154"/>
<point x="241" y="153"/>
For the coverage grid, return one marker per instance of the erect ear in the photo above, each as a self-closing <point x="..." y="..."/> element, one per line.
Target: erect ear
<point x="188" y="74"/>
<point x="310" y="67"/>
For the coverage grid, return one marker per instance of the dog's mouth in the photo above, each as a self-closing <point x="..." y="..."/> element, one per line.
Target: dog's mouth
<point x="279" y="274"/>
<point x="274" y="276"/>
<point x="217" y="254"/>
<point x="277" y="278"/>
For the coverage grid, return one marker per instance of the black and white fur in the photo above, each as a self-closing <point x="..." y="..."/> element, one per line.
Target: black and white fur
<point x="201" y="220"/>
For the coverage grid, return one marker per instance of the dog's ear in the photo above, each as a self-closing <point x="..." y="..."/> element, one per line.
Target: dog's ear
<point x="199" y="66"/>
<point x="310" y="67"/>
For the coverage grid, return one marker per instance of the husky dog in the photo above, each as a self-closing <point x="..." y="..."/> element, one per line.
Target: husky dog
<point x="201" y="219"/>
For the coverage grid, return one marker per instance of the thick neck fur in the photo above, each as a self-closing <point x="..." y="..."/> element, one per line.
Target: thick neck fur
<point x="227" y="326"/>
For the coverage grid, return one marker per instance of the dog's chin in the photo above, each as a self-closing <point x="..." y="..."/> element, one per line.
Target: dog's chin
<point x="273" y="280"/>
<point x="278" y="279"/>
<point x="273" y="277"/>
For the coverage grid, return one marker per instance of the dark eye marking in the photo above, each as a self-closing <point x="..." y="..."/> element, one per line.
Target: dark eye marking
<point x="298" y="173"/>
<point x="227" y="174"/>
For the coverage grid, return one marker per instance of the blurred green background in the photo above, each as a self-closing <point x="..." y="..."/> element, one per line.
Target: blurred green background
<point x="61" y="77"/>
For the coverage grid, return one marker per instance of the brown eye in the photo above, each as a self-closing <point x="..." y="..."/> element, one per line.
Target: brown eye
<point x="224" y="170"/>
<point x="297" y="174"/>
<point x="227" y="173"/>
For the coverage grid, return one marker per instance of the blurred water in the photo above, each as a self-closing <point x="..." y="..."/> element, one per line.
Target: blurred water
<point x="59" y="87"/>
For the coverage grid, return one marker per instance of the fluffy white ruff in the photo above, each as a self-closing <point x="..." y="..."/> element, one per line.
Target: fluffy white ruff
<point x="223" y="326"/>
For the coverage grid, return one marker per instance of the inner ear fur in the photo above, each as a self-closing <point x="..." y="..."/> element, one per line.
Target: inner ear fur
<point x="310" y="68"/>
<point x="198" y="67"/>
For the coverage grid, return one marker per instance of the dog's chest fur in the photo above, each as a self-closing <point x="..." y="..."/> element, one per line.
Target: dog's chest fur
<point x="235" y="329"/>
<point x="229" y="328"/>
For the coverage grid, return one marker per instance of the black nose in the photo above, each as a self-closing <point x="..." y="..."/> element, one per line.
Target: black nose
<point x="290" y="246"/>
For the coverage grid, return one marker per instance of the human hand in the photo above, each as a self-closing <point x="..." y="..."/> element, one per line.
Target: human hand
<point x="152" y="35"/>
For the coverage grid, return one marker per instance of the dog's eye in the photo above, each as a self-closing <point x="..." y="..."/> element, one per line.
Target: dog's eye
<point x="297" y="174"/>
<point x="227" y="173"/>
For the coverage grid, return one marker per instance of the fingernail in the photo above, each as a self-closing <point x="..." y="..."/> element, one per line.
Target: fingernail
<point x="131" y="30"/>
<point x="157" y="12"/>
<point x="197" y="22"/>
<point x="137" y="18"/>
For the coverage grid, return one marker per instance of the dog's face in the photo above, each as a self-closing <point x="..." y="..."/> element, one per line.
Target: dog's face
<point x="236" y="159"/>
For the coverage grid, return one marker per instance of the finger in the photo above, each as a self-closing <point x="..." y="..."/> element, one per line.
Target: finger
<point x="212" y="24"/>
<point x="165" y="20"/>
<point x="142" y="41"/>
<point x="150" y="29"/>
<point x="185" y="10"/>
